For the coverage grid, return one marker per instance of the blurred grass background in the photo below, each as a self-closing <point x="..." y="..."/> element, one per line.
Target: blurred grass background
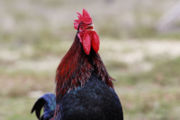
<point x="139" y="46"/>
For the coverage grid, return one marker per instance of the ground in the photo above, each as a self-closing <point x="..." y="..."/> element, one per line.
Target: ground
<point x="146" y="76"/>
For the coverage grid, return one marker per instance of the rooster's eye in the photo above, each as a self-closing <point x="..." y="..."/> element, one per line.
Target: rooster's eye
<point x="81" y="28"/>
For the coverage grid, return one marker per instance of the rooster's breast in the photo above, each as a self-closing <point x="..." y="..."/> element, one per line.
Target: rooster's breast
<point x="94" y="101"/>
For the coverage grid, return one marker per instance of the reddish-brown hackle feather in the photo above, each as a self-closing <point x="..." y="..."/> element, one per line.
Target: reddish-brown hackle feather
<point x="81" y="61"/>
<point x="76" y="68"/>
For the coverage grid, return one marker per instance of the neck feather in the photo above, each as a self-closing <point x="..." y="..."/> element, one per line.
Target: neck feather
<point x="76" y="68"/>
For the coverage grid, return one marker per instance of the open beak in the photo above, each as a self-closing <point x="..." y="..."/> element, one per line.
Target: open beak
<point x="90" y="27"/>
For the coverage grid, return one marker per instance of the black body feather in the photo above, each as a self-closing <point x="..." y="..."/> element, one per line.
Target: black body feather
<point x="94" y="101"/>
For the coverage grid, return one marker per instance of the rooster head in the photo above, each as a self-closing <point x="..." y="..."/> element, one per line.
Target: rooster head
<point x="86" y="33"/>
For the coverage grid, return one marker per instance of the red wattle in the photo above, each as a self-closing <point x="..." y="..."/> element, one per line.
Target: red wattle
<point x="86" y="42"/>
<point x="95" y="41"/>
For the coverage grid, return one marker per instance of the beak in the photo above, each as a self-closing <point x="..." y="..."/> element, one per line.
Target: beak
<point x="90" y="27"/>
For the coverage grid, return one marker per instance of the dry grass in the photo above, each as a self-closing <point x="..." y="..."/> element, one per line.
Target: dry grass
<point x="147" y="94"/>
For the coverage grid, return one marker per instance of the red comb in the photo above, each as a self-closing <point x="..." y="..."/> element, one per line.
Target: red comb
<point x="86" y="34"/>
<point x="82" y="18"/>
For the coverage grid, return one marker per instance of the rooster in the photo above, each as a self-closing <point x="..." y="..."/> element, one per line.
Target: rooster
<point x="84" y="89"/>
